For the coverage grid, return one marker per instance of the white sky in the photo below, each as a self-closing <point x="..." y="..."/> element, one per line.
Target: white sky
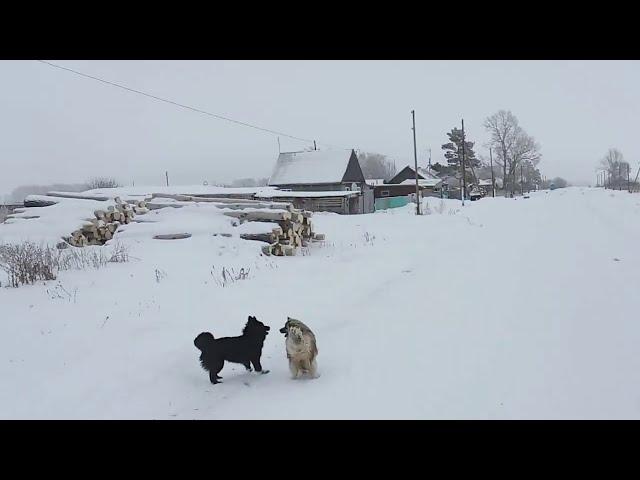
<point x="58" y="127"/>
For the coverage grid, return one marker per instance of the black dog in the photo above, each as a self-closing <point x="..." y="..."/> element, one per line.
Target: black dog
<point x="246" y="349"/>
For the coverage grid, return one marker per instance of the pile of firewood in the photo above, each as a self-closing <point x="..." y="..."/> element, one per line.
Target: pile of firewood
<point x="101" y="229"/>
<point x="293" y="227"/>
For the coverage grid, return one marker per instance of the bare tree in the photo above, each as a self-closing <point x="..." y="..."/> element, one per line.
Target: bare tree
<point x="249" y="182"/>
<point x="513" y="146"/>
<point x="559" y="182"/>
<point x="102" y="182"/>
<point x="524" y="150"/>
<point x="19" y="193"/>
<point x="616" y="167"/>
<point x="502" y="127"/>
<point x="375" y="165"/>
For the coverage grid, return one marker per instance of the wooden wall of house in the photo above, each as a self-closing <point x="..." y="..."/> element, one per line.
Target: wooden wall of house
<point x="326" y="187"/>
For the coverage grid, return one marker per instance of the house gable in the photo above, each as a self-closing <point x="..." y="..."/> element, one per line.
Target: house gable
<point x="404" y="174"/>
<point x="353" y="172"/>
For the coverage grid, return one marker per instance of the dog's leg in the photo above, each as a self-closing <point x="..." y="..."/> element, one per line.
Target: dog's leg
<point x="213" y="377"/>
<point x="313" y="371"/>
<point x="257" y="367"/>
<point x="215" y="370"/>
<point x="293" y="368"/>
<point x="247" y="366"/>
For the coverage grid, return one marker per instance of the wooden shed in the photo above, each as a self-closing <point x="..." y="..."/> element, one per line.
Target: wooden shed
<point x="317" y="171"/>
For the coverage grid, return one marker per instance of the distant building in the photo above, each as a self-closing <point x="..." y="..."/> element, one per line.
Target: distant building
<point x="374" y="181"/>
<point x="309" y="173"/>
<point x="409" y="173"/>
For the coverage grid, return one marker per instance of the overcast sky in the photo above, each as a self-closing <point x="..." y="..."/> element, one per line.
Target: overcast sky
<point x="58" y="127"/>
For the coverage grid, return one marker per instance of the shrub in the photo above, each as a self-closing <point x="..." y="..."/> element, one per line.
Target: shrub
<point x="26" y="263"/>
<point x="102" y="182"/>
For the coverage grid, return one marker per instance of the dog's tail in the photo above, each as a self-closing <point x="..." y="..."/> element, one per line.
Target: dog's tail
<point x="203" y="340"/>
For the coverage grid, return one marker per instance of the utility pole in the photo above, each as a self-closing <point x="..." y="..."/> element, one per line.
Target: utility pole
<point x="166" y="174"/>
<point x="464" y="181"/>
<point x="636" y="179"/>
<point x="429" y="158"/>
<point x="314" y="145"/>
<point x="628" y="179"/>
<point x="279" y="146"/>
<point x="521" y="181"/>
<point x="415" y="157"/>
<point x="493" y="180"/>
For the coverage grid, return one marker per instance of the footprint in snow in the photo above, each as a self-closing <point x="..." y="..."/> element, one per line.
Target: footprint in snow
<point x="616" y="259"/>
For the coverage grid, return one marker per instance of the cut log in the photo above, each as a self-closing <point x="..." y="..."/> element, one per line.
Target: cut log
<point x="260" y="216"/>
<point x="140" y="210"/>
<point x="180" y="198"/>
<point x="288" y="250"/>
<point x="172" y="236"/>
<point x="157" y="206"/>
<point x="266" y="249"/>
<point x="260" y="237"/>
<point x="24" y="217"/>
<point x="318" y="236"/>
<point x="77" y="196"/>
<point x="38" y="202"/>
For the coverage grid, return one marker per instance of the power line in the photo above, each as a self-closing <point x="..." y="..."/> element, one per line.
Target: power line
<point x="204" y="112"/>
<point x="220" y="117"/>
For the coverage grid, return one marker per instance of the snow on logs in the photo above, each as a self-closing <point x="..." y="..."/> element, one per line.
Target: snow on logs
<point x="293" y="227"/>
<point x="102" y="229"/>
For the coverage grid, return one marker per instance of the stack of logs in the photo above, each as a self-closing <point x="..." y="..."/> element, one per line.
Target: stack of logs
<point x="294" y="230"/>
<point x="293" y="227"/>
<point x="101" y="229"/>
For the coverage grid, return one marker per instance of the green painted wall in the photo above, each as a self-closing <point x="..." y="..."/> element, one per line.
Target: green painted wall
<point x="391" y="202"/>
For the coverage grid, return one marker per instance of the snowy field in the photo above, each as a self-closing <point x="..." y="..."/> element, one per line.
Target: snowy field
<point x="505" y="308"/>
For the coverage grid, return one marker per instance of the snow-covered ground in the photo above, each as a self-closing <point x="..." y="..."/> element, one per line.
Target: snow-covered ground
<point x="505" y="308"/>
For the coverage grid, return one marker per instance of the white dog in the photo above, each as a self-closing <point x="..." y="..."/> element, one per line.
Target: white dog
<point x="301" y="348"/>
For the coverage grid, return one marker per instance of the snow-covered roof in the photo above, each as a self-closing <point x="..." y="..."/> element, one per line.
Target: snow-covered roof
<point x="427" y="172"/>
<point x="374" y="181"/>
<point x="484" y="182"/>
<point x="426" y="182"/>
<point x="315" y="166"/>
<point x="285" y="194"/>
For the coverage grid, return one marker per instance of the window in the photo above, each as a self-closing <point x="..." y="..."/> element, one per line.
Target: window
<point x="384" y="193"/>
